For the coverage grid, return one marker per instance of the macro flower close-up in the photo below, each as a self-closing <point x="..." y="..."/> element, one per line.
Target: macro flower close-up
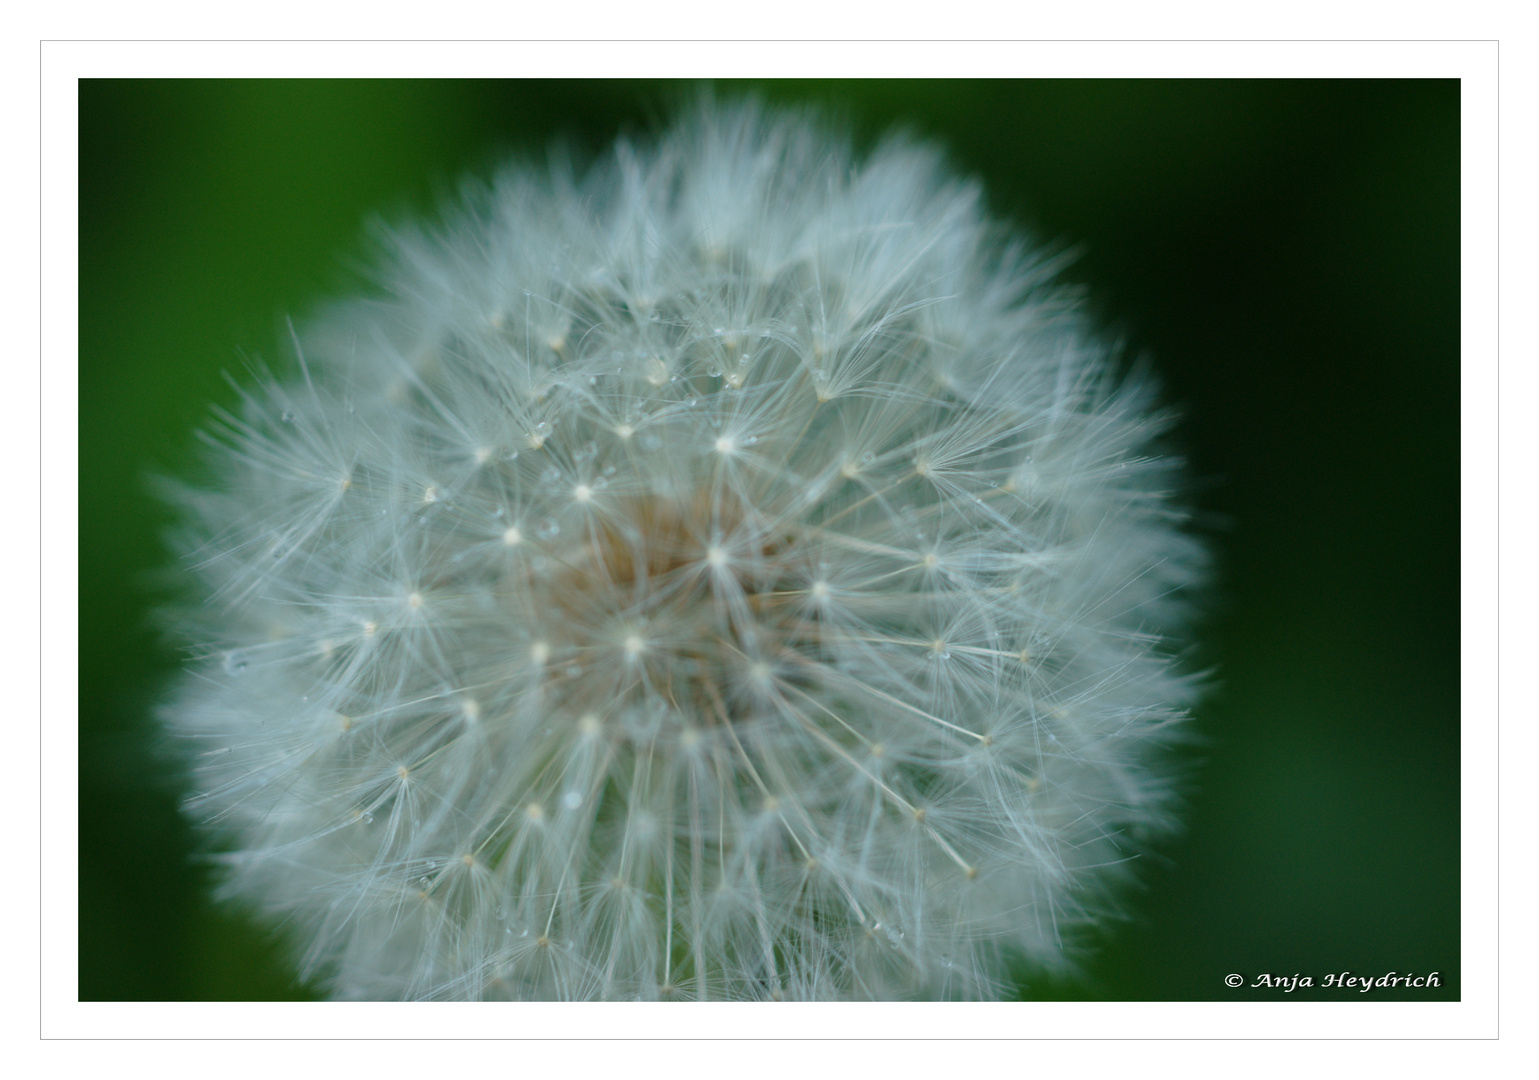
<point x="733" y="571"/>
<point x="834" y="539"/>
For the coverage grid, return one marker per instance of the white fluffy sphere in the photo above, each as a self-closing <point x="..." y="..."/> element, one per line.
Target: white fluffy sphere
<point x="734" y="573"/>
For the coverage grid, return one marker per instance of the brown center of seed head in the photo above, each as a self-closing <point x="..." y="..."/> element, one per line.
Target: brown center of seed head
<point x="688" y="601"/>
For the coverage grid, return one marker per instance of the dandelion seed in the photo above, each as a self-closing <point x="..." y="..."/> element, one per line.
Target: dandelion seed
<point x="709" y="724"/>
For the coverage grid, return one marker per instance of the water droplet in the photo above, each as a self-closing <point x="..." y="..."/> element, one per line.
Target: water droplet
<point x="714" y="371"/>
<point x="572" y="800"/>
<point x="542" y="428"/>
<point x="287" y="417"/>
<point x="689" y="402"/>
<point x="366" y="817"/>
<point x="234" y="662"/>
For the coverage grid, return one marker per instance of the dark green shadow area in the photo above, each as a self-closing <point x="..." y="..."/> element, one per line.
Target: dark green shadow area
<point x="1288" y="254"/>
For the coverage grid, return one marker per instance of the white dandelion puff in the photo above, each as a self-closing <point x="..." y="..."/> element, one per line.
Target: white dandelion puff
<point x="735" y="573"/>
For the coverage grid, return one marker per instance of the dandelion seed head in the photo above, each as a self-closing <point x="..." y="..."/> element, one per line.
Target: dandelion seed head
<point x="830" y="655"/>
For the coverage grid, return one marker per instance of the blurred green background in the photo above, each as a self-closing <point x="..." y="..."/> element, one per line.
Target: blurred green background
<point x="1286" y="251"/>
